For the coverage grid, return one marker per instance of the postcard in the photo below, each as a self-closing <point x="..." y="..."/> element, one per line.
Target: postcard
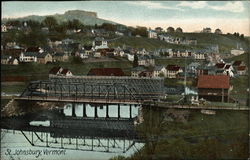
<point x="125" y="80"/>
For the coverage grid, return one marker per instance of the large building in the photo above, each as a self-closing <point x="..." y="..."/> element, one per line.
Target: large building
<point x="213" y="87"/>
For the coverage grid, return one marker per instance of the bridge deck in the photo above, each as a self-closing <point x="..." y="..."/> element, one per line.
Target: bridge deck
<point x="78" y="100"/>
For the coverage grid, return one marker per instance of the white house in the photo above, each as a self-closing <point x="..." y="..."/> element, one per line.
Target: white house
<point x="237" y="52"/>
<point x="130" y="57"/>
<point x="152" y="34"/>
<point x="158" y="70"/>
<point x="3" y="28"/>
<point x="28" y="57"/>
<point x="100" y="43"/>
<point x="200" y="56"/>
<point x="146" y="60"/>
<point x="172" y="71"/>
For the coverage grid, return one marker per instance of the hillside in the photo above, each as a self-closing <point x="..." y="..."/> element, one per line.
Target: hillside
<point x="87" y="18"/>
<point x="225" y="42"/>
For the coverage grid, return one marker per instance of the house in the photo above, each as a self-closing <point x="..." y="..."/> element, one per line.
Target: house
<point x="5" y="59"/>
<point x="192" y="67"/>
<point x="146" y="60"/>
<point x="3" y="28"/>
<point x="207" y="30"/>
<point x="44" y="58"/>
<point x="172" y="71"/>
<point x="200" y="55"/>
<point x="213" y="87"/>
<point x="34" y="49"/>
<point x="152" y="34"/>
<point x="237" y="52"/>
<point x="13" y="61"/>
<point x="55" y="71"/>
<point x="100" y="43"/>
<point x="130" y="56"/>
<point x="238" y="63"/>
<point x="241" y="70"/>
<point x="60" y="57"/>
<point x="135" y="72"/>
<point x="28" y="57"/>
<point x="159" y="71"/>
<point x="142" y="51"/>
<point x="60" y="71"/>
<point x="224" y="69"/>
<point x="106" y="72"/>
<point x="66" y="72"/>
<point x="88" y="50"/>
<point x="67" y="41"/>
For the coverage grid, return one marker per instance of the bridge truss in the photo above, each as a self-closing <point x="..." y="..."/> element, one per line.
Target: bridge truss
<point x="97" y="87"/>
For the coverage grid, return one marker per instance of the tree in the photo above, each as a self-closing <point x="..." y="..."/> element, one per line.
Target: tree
<point x="16" y="23"/>
<point x="33" y="24"/>
<point x="242" y="36"/>
<point x="135" y="62"/>
<point x="108" y="27"/>
<point x="142" y="31"/>
<point x="170" y="29"/>
<point x="50" y="22"/>
<point x="179" y="30"/>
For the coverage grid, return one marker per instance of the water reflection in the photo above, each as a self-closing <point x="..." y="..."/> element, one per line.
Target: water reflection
<point x="68" y="134"/>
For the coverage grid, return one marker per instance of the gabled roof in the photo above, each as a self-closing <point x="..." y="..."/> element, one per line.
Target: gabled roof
<point x="241" y="68"/>
<point x="158" y="68"/>
<point x="33" y="49"/>
<point x="227" y="66"/>
<point x="42" y="55"/>
<point x="106" y="72"/>
<point x="173" y="67"/>
<point x="237" y="63"/>
<point x="54" y="70"/>
<point x="65" y="71"/>
<point x="220" y="65"/>
<point x="87" y="47"/>
<point x="213" y="81"/>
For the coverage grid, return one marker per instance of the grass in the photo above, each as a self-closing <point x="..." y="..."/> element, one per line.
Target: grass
<point x="12" y="88"/>
<point x="148" y="44"/>
<point x="204" y="136"/>
<point x="34" y="70"/>
<point x="240" y="85"/>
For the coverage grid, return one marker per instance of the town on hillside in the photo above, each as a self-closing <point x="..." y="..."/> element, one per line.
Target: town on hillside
<point x="183" y="63"/>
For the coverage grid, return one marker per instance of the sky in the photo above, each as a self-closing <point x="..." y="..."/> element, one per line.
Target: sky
<point x="229" y="16"/>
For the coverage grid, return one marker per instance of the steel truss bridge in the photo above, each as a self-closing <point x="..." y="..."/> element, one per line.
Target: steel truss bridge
<point x="95" y="89"/>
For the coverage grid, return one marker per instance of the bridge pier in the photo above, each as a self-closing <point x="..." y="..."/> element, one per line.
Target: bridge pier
<point x="73" y="110"/>
<point x="84" y="110"/>
<point x="130" y="111"/>
<point x="107" y="111"/>
<point x="119" y="116"/>
<point x="96" y="115"/>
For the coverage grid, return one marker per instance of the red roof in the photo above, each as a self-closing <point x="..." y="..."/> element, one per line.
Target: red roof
<point x="65" y="71"/>
<point x="54" y="70"/>
<point x="213" y="81"/>
<point x="237" y="63"/>
<point x="173" y="67"/>
<point x="220" y="65"/>
<point x="241" y="68"/>
<point x="106" y="72"/>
